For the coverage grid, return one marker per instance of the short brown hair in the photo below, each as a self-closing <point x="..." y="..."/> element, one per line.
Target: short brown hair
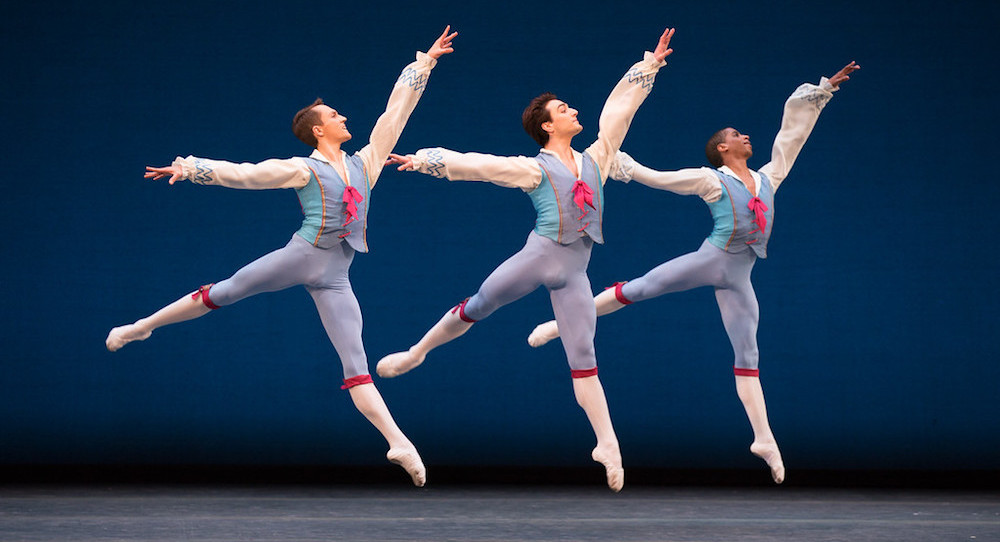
<point x="712" y="148"/>
<point x="303" y="122"/>
<point x="535" y="115"/>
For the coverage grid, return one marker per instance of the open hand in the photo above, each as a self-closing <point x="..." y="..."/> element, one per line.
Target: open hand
<point x="157" y="173"/>
<point x="844" y="74"/>
<point x="405" y="162"/>
<point x="663" y="49"/>
<point x="443" y="44"/>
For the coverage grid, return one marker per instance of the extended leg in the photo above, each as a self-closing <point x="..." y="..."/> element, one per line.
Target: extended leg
<point x="740" y="314"/>
<point x="277" y="270"/>
<point x="575" y="313"/>
<point x="700" y="268"/>
<point x="189" y="307"/>
<point x="341" y="315"/>
<point x="518" y="276"/>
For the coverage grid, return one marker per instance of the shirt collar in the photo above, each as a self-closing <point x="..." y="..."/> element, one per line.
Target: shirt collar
<point x="577" y="158"/>
<point x="754" y="174"/>
<point x="322" y="158"/>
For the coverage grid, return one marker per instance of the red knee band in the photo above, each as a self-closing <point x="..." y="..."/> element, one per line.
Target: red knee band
<point x="618" y="293"/>
<point x="461" y="311"/>
<point x="746" y="372"/>
<point x="583" y="373"/>
<point x="357" y="381"/>
<point x="203" y="294"/>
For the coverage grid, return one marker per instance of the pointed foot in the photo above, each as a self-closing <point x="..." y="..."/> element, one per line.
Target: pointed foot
<point x="396" y="364"/>
<point x="409" y="459"/>
<point x="122" y="335"/>
<point x="543" y="333"/>
<point x="612" y="461"/>
<point x="772" y="456"/>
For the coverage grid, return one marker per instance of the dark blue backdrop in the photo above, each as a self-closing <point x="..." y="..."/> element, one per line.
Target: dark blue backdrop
<point x="878" y="303"/>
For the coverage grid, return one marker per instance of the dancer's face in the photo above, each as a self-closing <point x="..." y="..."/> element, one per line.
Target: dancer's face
<point x="563" y="119"/>
<point x="737" y="144"/>
<point x="333" y="125"/>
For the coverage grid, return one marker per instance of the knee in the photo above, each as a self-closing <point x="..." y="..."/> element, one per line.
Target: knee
<point x="202" y="293"/>
<point x="747" y="358"/>
<point x="476" y="308"/>
<point x="581" y="357"/>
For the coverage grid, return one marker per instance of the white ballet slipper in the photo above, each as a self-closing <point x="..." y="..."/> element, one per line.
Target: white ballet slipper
<point x="396" y="364"/>
<point x="613" y="468"/>
<point x="122" y="335"/>
<point x="409" y="459"/>
<point x="770" y="454"/>
<point x="543" y="333"/>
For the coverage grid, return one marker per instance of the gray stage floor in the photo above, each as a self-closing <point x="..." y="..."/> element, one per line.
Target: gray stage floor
<point x="492" y="513"/>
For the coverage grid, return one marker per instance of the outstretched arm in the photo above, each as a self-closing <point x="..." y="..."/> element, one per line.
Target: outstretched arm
<point x="691" y="181"/>
<point x="405" y="95"/>
<point x="273" y="173"/>
<point x="623" y="102"/>
<point x="802" y="110"/>
<point x="508" y="171"/>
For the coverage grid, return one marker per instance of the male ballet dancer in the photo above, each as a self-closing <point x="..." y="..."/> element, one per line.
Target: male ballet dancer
<point x="566" y="188"/>
<point x="334" y="191"/>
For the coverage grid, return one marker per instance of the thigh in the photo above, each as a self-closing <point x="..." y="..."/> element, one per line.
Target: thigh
<point x="341" y="316"/>
<point x="741" y="315"/>
<point x="692" y="270"/>
<point x="576" y="317"/>
<point x="277" y="270"/>
<point x="515" y="278"/>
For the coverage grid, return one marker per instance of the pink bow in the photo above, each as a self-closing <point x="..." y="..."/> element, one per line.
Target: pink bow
<point x="351" y="195"/>
<point x="583" y="194"/>
<point x="758" y="208"/>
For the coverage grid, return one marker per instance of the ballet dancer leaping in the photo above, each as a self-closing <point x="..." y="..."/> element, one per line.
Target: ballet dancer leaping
<point x="566" y="188"/>
<point x="334" y="191"/>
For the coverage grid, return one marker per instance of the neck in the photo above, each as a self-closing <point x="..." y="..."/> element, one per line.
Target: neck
<point x="561" y="146"/>
<point x="331" y="150"/>
<point x="739" y="166"/>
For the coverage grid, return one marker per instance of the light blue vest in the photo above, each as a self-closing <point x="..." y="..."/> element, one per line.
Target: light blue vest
<point x="322" y="200"/>
<point x="559" y="217"/>
<point x="735" y="227"/>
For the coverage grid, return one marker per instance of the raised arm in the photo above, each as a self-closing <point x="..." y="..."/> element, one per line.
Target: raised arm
<point x="403" y="99"/>
<point x="802" y="110"/>
<point x="273" y="173"/>
<point x="691" y="181"/>
<point x="507" y="171"/>
<point x="624" y="101"/>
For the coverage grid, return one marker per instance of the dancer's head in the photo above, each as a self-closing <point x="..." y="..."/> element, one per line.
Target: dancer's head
<point x="318" y="121"/>
<point x="727" y="144"/>
<point x="548" y="116"/>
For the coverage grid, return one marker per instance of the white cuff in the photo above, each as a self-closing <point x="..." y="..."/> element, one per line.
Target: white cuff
<point x="426" y="59"/>
<point x="650" y="59"/>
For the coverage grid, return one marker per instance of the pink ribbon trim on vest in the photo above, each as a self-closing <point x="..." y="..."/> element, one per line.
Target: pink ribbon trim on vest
<point x="583" y="195"/>
<point x="758" y="208"/>
<point x="352" y="197"/>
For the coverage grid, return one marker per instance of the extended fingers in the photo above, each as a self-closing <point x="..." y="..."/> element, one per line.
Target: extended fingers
<point x="667" y="34"/>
